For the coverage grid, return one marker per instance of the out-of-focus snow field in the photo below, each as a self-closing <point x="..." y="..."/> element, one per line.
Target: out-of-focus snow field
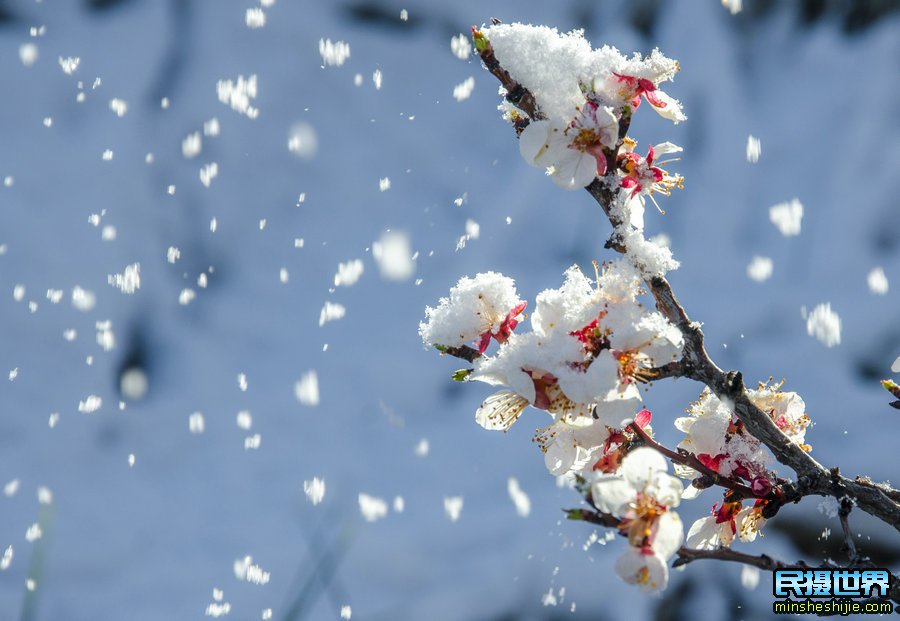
<point x="152" y="540"/>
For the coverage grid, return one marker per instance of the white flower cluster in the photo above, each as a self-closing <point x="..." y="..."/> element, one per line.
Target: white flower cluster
<point x="592" y="342"/>
<point x="643" y="495"/>
<point x="721" y="443"/>
<point x="584" y="98"/>
<point x="582" y="94"/>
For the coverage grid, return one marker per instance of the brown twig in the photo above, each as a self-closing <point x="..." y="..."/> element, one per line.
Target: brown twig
<point x="849" y="544"/>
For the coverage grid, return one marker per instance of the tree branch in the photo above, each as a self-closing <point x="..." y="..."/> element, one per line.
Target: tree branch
<point x="813" y="477"/>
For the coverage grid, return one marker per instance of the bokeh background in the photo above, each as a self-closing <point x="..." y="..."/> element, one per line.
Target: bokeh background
<point x="148" y="518"/>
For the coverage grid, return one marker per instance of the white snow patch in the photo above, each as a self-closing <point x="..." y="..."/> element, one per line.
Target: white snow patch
<point x="461" y="46"/>
<point x="303" y="141"/>
<point x="520" y="499"/>
<point x="754" y="149"/>
<point x="134" y="384"/>
<point x="211" y="127"/>
<point x="196" y="423"/>
<point x="422" y="448"/>
<point x="372" y="507"/>
<point x="244" y="420"/>
<point x="877" y="281"/>
<point x="245" y="570"/>
<point x="733" y="6"/>
<point x="255" y="18"/>
<point x="28" y="54"/>
<point x="118" y="106"/>
<point x="208" y="173"/>
<point x="453" y="506"/>
<point x="239" y="94"/>
<point x="314" y="490"/>
<point x="186" y="296"/>
<point x="91" y="404"/>
<point x="192" y="145"/>
<point x="334" y="54"/>
<point x="394" y="257"/>
<point x="306" y="390"/>
<point x="749" y="577"/>
<point x="825" y="325"/>
<point x="787" y="216"/>
<point x="463" y="90"/>
<point x="69" y="64"/>
<point x="6" y="561"/>
<point x="129" y="280"/>
<point x="331" y="312"/>
<point x="348" y="273"/>
<point x="33" y="533"/>
<point x="11" y="488"/>
<point x="82" y="299"/>
<point x="760" y="269"/>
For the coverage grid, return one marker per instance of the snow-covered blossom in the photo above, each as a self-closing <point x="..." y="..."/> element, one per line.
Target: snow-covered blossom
<point x="787" y="409"/>
<point x="560" y="69"/>
<point x="477" y="310"/>
<point x="719" y="440"/>
<point x="574" y="150"/>
<point x="590" y="345"/>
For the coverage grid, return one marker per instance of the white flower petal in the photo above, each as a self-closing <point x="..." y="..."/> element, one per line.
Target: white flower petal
<point x="665" y="148"/>
<point x="620" y="406"/>
<point x="672" y="110"/>
<point x="647" y="571"/>
<point x="542" y="143"/>
<point x="611" y="494"/>
<point x="667" y="490"/>
<point x="704" y="534"/>
<point x="640" y="467"/>
<point x="574" y="170"/>
<point x="500" y="410"/>
<point x="669" y="535"/>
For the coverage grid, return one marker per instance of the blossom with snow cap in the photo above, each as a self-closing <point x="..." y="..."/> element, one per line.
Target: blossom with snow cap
<point x="477" y="310"/>
<point x="587" y="350"/>
<point x="720" y="441"/>
<point x="575" y="151"/>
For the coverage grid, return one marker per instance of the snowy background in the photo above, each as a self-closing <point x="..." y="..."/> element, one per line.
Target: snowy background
<point x="147" y="518"/>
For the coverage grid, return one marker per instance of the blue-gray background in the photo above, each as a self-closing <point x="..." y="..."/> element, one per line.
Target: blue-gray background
<point x="817" y="82"/>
